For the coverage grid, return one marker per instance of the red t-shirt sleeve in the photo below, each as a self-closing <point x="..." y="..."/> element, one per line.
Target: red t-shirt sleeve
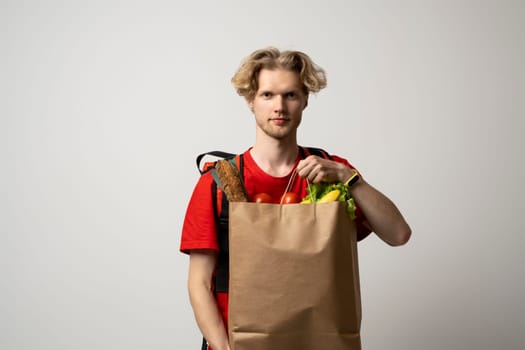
<point x="199" y="227"/>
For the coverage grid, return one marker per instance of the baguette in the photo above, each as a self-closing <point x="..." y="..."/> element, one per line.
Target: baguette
<point x="232" y="185"/>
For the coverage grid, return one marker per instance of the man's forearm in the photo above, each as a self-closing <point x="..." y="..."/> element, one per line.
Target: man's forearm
<point x="202" y="300"/>
<point x="208" y="317"/>
<point x="381" y="213"/>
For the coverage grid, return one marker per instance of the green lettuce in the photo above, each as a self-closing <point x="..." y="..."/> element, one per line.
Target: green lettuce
<point x="316" y="191"/>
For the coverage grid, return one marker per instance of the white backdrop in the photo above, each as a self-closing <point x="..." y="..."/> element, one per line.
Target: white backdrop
<point x="105" y="104"/>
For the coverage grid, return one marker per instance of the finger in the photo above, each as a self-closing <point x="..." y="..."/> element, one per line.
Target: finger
<point x="317" y="178"/>
<point x="304" y="169"/>
<point x="300" y="165"/>
<point x="314" y="174"/>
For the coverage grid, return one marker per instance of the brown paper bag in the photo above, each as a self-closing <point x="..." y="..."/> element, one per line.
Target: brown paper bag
<point x="294" y="279"/>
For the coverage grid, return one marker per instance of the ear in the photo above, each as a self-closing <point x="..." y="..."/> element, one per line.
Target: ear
<point x="305" y="103"/>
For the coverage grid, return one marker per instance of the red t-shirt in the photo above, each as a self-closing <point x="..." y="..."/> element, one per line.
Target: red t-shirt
<point x="199" y="230"/>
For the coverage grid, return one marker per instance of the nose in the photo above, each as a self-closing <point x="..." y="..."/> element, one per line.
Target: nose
<point x="279" y="104"/>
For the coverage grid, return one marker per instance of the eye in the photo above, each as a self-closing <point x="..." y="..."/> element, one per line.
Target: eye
<point x="291" y="95"/>
<point x="266" y="95"/>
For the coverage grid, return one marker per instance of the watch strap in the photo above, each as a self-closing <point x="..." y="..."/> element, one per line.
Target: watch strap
<point x="352" y="179"/>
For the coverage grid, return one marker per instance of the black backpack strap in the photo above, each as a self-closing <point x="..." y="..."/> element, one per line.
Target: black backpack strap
<point x="315" y="151"/>
<point x="222" y="274"/>
<point x="219" y="154"/>
<point x="221" y="279"/>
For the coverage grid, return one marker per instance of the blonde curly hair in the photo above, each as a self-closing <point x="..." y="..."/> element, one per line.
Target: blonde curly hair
<point x="245" y="80"/>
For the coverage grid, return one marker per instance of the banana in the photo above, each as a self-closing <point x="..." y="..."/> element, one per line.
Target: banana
<point x="330" y="196"/>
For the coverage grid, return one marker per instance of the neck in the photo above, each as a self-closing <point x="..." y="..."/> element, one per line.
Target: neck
<point x="276" y="158"/>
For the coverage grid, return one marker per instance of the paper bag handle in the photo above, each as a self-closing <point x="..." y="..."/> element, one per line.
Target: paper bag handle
<point x="290" y="183"/>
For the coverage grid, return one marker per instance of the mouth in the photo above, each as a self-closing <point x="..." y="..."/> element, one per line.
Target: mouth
<point x="279" y="121"/>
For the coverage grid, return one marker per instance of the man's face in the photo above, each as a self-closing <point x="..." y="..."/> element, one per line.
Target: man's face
<point x="278" y="103"/>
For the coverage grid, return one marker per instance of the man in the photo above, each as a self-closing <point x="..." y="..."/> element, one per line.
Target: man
<point x="276" y="86"/>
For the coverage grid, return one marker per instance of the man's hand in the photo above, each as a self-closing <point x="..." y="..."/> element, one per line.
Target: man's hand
<point x="317" y="169"/>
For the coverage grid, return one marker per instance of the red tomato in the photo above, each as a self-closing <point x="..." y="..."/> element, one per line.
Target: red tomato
<point x="291" y="197"/>
<point x="262" y="198"/>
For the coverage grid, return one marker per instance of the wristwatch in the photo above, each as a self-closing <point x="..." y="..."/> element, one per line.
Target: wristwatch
<point x="352" y="179"/>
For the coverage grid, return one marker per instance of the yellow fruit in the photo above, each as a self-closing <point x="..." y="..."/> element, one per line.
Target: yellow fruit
<point x="330" y="196"/>
<point x="306" y="201"/>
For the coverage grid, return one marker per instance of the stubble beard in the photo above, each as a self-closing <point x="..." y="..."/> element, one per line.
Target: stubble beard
<point x="280" y="132"/>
